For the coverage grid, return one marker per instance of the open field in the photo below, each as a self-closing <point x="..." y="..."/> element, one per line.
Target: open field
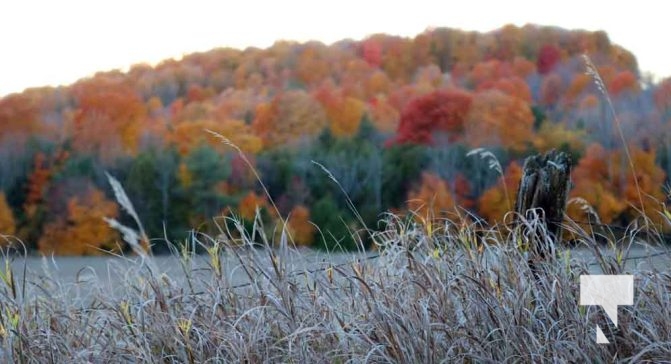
<point x="423" y="299"/>
<point x="89" y="274"/>
<point x="109" y="272"/>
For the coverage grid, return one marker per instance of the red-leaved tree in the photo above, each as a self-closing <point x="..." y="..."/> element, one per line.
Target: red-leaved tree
<point x="442" y="110"/>
<point x="548" y="57"/>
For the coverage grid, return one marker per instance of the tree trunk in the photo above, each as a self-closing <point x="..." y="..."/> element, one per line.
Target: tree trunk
<point x="541" y="201"/>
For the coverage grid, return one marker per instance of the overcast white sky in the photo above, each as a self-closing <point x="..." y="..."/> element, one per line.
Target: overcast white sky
<point x="57" y="42"/>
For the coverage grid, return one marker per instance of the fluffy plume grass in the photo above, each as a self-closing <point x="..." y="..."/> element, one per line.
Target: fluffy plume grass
<point x="493" y="164"/>
<point x="137" y="240"/>
<point x="593" y="72"/>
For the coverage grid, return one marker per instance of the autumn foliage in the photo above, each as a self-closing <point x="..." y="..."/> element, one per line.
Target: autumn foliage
<point x="109" y="117"/>
<point x="498" y="200"/>
<point x="288" y="118"/>
<point x="432" y="199"/>
<point x="499" y="119"/>
<point x="250" y="204"/>
<point x="605" y="182"/>
<point x="440" y="111"/>
<point x="190" y="135"/>
<point x="19" y="114"/>
<point x="548" y="57"/>
<point x="7" y="222"/>
<point x="344" y="112"/>
<point x="622" y="82"/>
<point x="82" y="230"/>
<point x="37" y="182"/>
<point x="594" y="178"/>
<point x="301" y="229"/>
<point x="366" y="126"/>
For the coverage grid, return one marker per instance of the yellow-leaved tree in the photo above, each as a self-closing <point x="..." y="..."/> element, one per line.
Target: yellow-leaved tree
<point x="289" y="115"/>
<point x="190" y="135"/>
<point x="344" y="112"/>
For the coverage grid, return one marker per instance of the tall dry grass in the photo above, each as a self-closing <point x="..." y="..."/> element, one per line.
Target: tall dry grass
<point x="453" y="296"/>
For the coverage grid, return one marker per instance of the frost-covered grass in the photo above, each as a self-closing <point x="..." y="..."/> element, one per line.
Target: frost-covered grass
<point x="450" y="294"/>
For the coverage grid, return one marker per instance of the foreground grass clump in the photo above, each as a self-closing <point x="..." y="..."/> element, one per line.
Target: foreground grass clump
<point x="436" y="296"/>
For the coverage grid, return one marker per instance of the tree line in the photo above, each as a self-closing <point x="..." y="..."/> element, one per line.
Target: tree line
<point x="339" y="135"/>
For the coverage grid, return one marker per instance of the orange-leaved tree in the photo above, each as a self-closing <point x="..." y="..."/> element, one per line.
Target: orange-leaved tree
<point x="378" y="84"/>
<point x="44" y="169"/>
<point x="577" y="87"/>
<point x="82" y="230"/>
<point x="109" y="117"/>
<point x="522" y="67"/>
<point x="313" y="63"/>
<point x="37" y="184"/>
<point x="19" y="114"/>
<point x="592" y="179"/>
<point x="384" y="116"/>
<point x="513" y="86"/>
<point x="498" y="200"/>
<point x="648" y="187"/>
<point x="604" y="179"/>
<point x="301" y="229"/>
<point x="249" y="204"/>
<point x="7" y="222"/>
<point x="624" y="81"/>
<point x="485" y="73"/>
<point x="499" y="119"/>
<point x="432" y="199"/>
<point x="351" y="77"/>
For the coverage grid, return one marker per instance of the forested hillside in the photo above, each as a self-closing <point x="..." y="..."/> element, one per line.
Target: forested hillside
<point x="392" y="120"/>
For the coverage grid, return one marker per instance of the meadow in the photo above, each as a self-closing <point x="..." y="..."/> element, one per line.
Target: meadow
<point x="441" y="295"/>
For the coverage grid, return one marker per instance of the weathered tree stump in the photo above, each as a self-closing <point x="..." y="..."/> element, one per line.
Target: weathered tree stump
<point x="541" y="198"/>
